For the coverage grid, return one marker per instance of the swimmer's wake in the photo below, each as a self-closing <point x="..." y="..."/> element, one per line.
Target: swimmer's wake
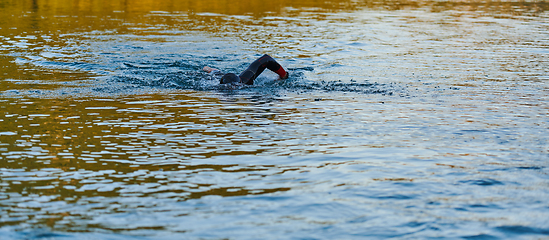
<point x="192" y="76"/>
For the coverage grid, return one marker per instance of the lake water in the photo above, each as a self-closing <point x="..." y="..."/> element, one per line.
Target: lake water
<point x="400" y="119"/>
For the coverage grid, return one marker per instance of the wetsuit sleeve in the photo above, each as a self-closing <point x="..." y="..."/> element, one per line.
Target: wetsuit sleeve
<point x="258" y="66"/>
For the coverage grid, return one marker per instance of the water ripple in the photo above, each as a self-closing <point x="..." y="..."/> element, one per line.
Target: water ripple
<point x="400" y="120"/>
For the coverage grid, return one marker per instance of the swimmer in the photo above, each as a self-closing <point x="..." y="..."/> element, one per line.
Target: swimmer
<point x="252" y="72"/>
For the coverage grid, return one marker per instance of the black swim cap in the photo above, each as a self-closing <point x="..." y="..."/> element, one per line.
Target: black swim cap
<point x="229" y="78"/>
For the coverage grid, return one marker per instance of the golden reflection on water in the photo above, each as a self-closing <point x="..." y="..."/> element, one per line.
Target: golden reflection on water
<point x="83" y="7"/>
<point x="88" y="142"/>
<point x="59" y="16"/>
<point x="32" y="26"/>
<point x="64" y="130"/>
<point x="78" y="148"/>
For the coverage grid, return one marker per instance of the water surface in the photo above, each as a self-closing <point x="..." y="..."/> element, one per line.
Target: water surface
<point x="401" y="119"/>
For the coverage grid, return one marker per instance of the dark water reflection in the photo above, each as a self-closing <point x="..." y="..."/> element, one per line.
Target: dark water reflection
<point x="404" y="119"/>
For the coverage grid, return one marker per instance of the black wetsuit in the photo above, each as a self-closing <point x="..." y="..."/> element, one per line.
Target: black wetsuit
<point x="254" y="70"/>
<point x="258" y="66"/>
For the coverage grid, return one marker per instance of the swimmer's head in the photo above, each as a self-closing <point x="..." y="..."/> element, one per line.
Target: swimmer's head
<point x="229" y="78"/>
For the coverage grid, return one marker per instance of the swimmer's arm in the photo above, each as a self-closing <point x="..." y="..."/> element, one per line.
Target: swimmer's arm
<point x="286" y="75"/>
<point x="282" y="74"/>
<point x="209" y="69"/>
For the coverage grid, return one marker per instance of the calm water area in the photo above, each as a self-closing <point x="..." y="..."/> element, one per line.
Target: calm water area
<point x="401" y="119"/>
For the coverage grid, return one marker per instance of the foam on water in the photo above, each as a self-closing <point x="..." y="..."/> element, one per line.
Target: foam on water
<point x="400" y="120"/>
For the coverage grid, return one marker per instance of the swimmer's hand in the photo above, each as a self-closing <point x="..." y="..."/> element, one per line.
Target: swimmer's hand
<point x="209" y="69"/>
<point x="285" y="76"/>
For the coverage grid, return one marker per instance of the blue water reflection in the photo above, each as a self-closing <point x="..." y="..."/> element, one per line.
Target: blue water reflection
<point x="400" y="120"/>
